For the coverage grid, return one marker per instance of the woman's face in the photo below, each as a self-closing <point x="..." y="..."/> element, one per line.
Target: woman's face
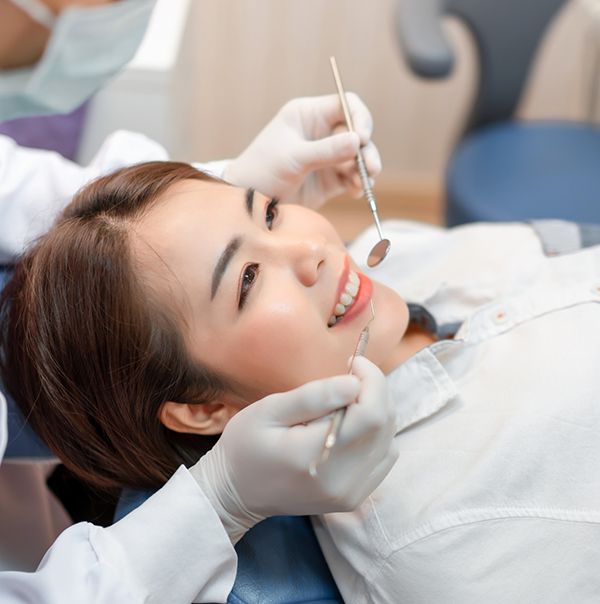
<point x="258" y="283"/>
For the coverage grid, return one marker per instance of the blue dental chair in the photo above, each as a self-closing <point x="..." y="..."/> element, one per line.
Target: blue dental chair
<point x="504" y="169"/>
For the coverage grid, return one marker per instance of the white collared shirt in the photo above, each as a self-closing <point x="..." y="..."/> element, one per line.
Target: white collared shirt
<point x="496" y="494"/>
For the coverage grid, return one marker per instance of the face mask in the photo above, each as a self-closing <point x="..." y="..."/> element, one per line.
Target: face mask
<point x="87" y="47"/>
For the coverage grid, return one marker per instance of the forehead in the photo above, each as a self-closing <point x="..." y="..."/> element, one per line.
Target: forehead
<point x="188" y="211"/>
<point x="192" y="199"/>
<point x="178" y="241"/>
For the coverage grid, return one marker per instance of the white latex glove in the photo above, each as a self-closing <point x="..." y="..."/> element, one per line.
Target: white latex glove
<point x="305" y="154"/>
<point x="260" y="465"/>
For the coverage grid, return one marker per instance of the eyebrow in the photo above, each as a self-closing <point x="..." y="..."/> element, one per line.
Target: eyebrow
<point x="232" y="247"/>
<point x="250" y="200"/>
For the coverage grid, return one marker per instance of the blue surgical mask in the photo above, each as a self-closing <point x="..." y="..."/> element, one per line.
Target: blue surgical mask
<point x="87" y="47"/>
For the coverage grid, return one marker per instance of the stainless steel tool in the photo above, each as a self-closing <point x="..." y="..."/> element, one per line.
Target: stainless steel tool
<point x="338" y="416"/>
<point x="382" y="247"/>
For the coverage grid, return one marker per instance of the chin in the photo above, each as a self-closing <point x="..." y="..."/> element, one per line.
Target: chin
<point x="391" y="321"/>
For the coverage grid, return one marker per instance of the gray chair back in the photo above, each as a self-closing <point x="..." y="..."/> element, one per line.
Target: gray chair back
<point x="507" y="33"/>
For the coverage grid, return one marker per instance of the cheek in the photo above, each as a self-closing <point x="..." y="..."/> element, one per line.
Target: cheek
<point x="276" y="351"/>
<point x="283" y="345"/>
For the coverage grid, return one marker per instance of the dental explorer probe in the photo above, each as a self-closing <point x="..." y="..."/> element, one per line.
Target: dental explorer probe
<point x="382" y="247"/>
<point x="338" y="416"/>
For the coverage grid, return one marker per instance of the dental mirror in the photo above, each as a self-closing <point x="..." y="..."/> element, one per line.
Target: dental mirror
<point x="378" y="253"/>
<point x="382" y="247"/>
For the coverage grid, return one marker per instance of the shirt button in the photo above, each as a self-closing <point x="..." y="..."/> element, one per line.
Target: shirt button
<point x="499" y="316"/>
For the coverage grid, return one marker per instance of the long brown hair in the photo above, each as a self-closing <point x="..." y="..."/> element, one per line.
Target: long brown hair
<point x="88" y="352"/>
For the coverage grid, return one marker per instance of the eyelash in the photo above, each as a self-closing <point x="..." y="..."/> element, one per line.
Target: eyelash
<point x="252" y="271"/>
<point x="250" y="274"/>
<point x="272" y="211"/>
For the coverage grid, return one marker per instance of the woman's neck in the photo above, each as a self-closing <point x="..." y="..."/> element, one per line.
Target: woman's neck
<point x="415" y="338"/>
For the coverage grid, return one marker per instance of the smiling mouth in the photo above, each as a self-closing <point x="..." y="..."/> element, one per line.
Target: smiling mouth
<point x="347" y="298"/>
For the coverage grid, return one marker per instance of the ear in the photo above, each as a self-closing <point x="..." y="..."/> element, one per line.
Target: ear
<point x="206" y="418"/>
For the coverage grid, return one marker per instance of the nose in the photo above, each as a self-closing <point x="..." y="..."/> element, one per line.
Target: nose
<point x="305" y="255"/>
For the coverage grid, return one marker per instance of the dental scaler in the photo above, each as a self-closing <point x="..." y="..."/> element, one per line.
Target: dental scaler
<point x="338" y="416"/>
<point x="382" y="247"/>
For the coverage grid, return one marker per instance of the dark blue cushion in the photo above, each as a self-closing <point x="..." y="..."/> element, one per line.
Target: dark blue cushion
<point x="23" y="443"/>
<point x="279" y="560"/>
<point x="526" y="170"/>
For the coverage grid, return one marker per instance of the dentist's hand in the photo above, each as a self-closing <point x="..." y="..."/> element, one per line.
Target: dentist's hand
<point x="305" y="154"/>
<point x="260" y="466"/>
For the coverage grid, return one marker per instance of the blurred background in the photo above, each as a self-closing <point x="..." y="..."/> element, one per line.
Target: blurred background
<point x="250" y="56"/>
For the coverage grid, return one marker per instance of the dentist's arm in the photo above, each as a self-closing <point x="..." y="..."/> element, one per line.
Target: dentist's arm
<point x="35" y="184"/>
<point x="303" y="155"/>
<point x="285" y="439"/>
<point x="177" y="546"/>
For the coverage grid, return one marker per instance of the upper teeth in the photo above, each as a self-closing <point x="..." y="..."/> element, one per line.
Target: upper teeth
<point x="346" y="298"/>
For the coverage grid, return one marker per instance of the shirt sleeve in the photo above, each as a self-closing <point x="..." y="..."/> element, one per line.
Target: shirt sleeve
<point x="215" y="168"/>
<point x="173" y="549"/>
<point x="35" y="185"/>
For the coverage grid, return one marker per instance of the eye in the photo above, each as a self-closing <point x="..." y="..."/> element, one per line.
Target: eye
<point x="248" y="278"/>
<point x="271" y="213"/>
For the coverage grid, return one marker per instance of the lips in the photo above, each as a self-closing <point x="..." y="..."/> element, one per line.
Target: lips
<point x="347" y="308"/>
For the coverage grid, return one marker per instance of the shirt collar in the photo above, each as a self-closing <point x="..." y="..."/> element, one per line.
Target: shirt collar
<point x="420" y="387"/>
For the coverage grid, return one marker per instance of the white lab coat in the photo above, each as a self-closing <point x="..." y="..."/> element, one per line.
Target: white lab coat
<point x="35" y="184"/>
<point x="173" y="548"/>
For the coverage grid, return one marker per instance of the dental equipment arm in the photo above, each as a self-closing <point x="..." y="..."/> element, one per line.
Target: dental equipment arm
<point x="283" y="433"/>
<point x="300" y="157"/>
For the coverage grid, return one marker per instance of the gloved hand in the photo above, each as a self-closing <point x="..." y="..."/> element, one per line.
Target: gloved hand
<point x="260" y="465"/>
<point x="305" y="154"/>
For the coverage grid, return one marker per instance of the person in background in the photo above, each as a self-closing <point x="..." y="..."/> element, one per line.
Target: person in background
<point x="53" y="55"/>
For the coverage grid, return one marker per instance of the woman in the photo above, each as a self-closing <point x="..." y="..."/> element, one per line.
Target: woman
<point x="190" y="299"/>
<point x="54" y="54"/>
